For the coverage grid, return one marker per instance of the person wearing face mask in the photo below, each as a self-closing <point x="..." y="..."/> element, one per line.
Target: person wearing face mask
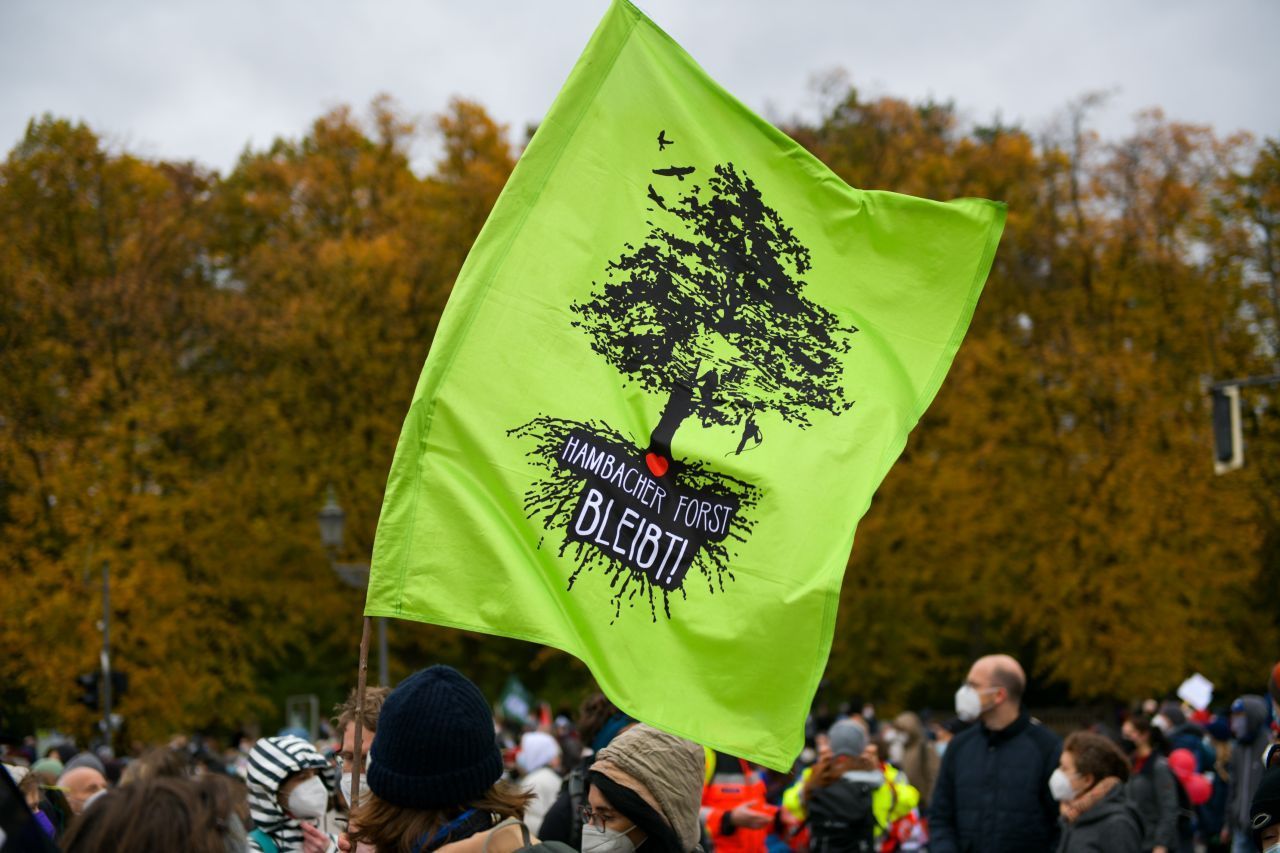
<point x="992" y="791"/>
<point x="645" y="793"/>
<point x="1248" y="742"/>
<point x="1264" y="812"/>
<point x="345" y="721"/>
<point x="287" y="796"/>
<point x="1153" y="788"/>
<point x="599" y="722"/>
<point x="1096" y="813"/>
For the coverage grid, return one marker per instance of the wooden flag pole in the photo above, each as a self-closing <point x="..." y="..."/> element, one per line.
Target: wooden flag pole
<point x="358" y="752"/>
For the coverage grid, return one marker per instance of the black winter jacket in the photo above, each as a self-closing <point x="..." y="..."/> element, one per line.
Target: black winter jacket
<point x="1111" y="826"/>
<point x="992" y="793"/>
<point x="1153" y="792"/>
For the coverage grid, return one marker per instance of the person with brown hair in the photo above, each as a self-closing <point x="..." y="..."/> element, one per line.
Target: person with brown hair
<point x="153" y="814"/>
<point x="345" y="721"/>
<point x="435" y="772"/>
<point x="1153" y="788"/>
<point x="157" y="762"/>
<point x="1096" y="815"/>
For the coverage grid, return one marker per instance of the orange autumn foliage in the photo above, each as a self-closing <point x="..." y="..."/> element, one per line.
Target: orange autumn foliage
<point x="188" y="359"/>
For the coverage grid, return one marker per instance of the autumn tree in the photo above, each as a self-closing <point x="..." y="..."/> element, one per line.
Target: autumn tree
<point x="188" y="359"/>
<point x="104" y="343"/>
<point x="710" y="312"/>
<point x="186" y="362"/>
<point x="1057" y="498"/>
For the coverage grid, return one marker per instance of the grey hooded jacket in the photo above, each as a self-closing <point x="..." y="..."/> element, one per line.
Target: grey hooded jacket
<point x="1245" y="768"/>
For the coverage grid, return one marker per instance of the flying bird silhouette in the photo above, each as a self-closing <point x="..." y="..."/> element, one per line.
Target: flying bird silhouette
<point x="677" y="172"/>
<point x="657" y="198"/>
<point x="663" y="142"/>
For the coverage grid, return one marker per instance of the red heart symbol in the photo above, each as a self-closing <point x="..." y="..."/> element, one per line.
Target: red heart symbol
<point x="657" y="464"/>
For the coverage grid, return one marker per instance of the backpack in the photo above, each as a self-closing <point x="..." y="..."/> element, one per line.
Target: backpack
<point x="527" y="847"/>
<point x="1186" y="811"/>
<point x="841" y="818"/>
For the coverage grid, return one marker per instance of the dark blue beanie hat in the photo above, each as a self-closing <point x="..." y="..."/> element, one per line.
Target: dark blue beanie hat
<point x="435" y="745"/>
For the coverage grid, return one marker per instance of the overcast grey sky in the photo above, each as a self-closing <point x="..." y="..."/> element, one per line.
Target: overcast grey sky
<point x="181" y="79"/>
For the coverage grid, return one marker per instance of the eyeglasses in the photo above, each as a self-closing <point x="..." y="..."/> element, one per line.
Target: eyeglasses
<point x="597" y="817"/>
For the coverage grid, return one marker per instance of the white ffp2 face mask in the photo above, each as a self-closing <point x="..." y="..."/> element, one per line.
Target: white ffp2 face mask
<point x="309" y="799"/>
<point x="596" y="840"/>
<point x="968" y="703"/>
<point x="344" y="784"/>
<point x="1060" y="786"/>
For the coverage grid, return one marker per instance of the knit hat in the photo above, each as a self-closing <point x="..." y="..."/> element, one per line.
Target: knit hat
<point x="1264" y="811"/>
<point x="85" y="759"/>
<point x="847" y="738"/>
<point x="48" y="768"/>
<point x="664" y="770"/>
<point x="435" y="745"/>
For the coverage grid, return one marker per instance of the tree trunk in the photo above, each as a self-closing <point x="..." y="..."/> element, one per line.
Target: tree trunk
<point x="679" y="406"/>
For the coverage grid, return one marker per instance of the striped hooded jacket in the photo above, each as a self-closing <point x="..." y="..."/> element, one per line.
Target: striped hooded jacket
<point x="271" y="761"/>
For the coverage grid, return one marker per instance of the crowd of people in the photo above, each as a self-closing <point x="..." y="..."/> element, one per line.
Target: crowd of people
<point x="438" y="772"/>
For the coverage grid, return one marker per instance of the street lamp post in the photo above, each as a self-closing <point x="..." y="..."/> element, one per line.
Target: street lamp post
<point x="356" y="575"/>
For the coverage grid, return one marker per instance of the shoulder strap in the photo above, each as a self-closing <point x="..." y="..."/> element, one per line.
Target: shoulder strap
<point x="264" y="841"/>
<point x="577" y="782"/>
<point x="511" y="821"/>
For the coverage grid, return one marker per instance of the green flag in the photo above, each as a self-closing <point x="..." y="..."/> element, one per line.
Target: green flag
<point x="516" y="702"/>
<point x="677" y="363"/>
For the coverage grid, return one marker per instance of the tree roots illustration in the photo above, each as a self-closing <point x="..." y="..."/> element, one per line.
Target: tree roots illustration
<point x="552" y="498"/>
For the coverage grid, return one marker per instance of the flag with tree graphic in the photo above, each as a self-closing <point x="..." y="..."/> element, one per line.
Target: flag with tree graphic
<point x="678" y="361"/>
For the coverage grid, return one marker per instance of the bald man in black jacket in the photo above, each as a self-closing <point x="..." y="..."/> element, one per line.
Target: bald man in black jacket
<point x="992" y="794"/>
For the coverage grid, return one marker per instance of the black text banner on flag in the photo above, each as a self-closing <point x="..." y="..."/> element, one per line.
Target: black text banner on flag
<point x="677" y="363"/>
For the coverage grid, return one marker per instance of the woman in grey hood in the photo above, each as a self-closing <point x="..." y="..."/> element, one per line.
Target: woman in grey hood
<point x="646" y="788"/>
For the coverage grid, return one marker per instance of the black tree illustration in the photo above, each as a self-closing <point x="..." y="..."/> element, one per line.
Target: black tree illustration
<point x="709" y="310"/>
